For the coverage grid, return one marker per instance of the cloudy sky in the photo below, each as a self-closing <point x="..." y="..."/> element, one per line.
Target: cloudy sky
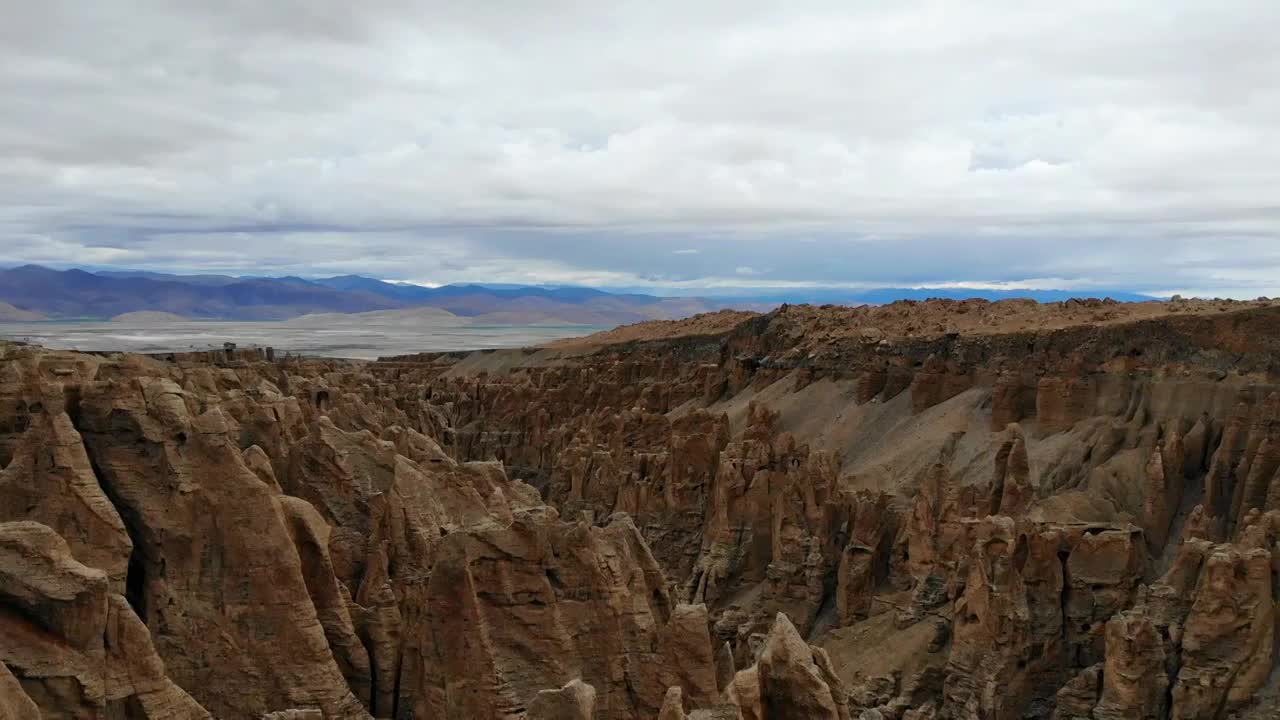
<point x="1104" y="144"/>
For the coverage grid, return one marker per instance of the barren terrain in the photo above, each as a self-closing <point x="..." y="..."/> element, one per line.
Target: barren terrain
<point x="921" y="510"/>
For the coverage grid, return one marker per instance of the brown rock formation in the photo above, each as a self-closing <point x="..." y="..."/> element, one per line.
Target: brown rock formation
<point x="210" y="539"/>
<point x="77" y="648"/>
<point x="792" y="680"/>
<point x="986" y="673"/>
<point x="49" y="480"/>
<point x="673" y="705"/>
<point x="865" y="561"/>
<point x="1228" y="638"/>
<point x="1136" y="684"/>
<point x="14" y="702"/>
<point x="961" y="502"/>
<point x="575" y="701"/>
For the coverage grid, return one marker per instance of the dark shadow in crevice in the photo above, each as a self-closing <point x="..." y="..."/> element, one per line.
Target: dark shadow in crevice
<point x="136" y="574"/>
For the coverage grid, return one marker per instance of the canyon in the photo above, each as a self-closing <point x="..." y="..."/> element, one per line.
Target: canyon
<point x="923" y="510"/>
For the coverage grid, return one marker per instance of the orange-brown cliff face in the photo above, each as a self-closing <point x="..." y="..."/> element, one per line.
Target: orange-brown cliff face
<point x="927" y="510"/>
<point x="187" y="540"/>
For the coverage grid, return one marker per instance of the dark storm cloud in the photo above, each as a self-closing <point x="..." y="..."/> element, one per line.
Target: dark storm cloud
<point x="1128" y="144"/>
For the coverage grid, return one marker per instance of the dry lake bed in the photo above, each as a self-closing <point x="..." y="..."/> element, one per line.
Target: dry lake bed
<point x="336" y="337"/>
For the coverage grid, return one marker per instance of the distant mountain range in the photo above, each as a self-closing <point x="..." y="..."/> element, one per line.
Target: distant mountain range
<point x="32" y="292"/>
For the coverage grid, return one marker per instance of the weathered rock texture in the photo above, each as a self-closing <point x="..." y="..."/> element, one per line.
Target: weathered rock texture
<point x="921" y="511"/>
<point x="78" y="649"/>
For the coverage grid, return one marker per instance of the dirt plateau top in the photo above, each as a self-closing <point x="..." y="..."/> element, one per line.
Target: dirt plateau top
<point x="937" y="510"/>
<point x="917" y="319"/>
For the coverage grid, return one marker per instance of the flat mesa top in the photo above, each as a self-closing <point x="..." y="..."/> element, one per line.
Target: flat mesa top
<point x="928" y="318"/>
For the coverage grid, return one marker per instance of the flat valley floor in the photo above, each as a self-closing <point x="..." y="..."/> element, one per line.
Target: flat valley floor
<point x="342" y="338"/>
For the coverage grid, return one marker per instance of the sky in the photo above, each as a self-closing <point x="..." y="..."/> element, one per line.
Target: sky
<point x="664" y="145"/>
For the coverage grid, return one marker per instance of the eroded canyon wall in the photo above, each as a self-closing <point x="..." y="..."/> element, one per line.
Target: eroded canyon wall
<point x="806" y="515"/>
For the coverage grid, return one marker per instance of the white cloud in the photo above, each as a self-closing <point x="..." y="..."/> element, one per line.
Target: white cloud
<point x="1129" y="143"/>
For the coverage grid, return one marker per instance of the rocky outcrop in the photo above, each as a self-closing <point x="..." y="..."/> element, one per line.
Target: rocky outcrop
<point x="50" y="480"/>
<point x="1034" y="606"/>
<point x="575" y="701"/>
<point x="790" y="680"/>
<point x="1136" y="680"/>
<point x="673" y="705"/>
<point x="864" y="563"/>
<point x="1077" y="699"/>
<point x="971" y="521"/>
<point x="1198" y="643"/>
<point x="1165" y="475"/>
<point x="77" y="649"/>
<point x="331" y="599"/>
<point x="211" y="540"/>
<point x="987" y="673"/>
<point x="15" y="704"/>
<point x="1061" y="402"/>
<point x="1228" y="638"/>
<point x="617" y="629"/>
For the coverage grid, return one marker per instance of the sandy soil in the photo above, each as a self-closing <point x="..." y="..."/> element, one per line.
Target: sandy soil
<point x="876" y="648"/>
